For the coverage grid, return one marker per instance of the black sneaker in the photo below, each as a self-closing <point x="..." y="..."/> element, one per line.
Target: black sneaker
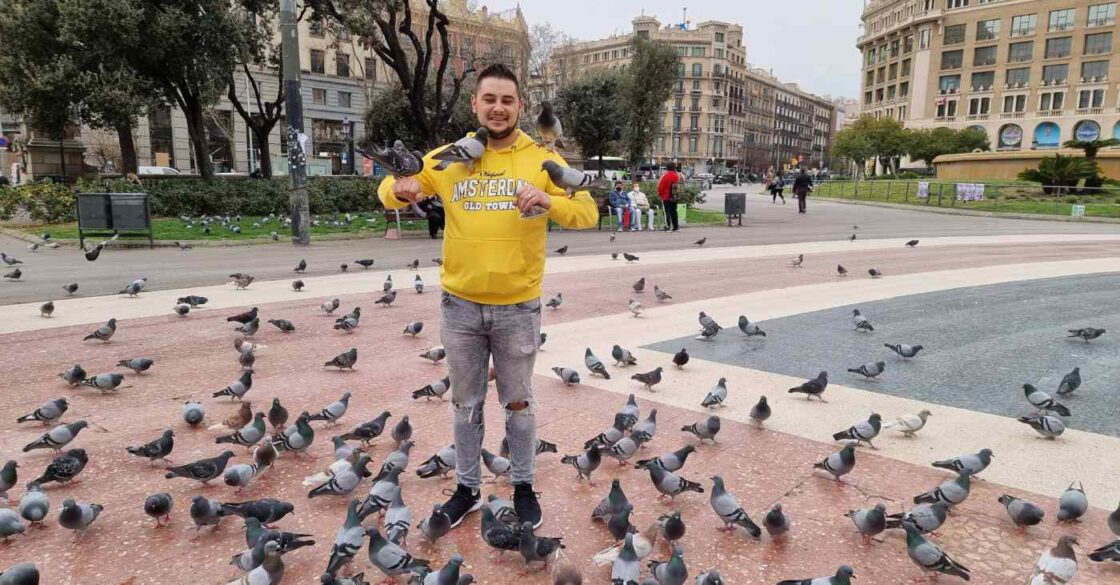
<point x="525" y="504"/>
<point x="463" y="501"/>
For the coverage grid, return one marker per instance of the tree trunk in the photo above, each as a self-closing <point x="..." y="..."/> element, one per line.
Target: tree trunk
<point x="129" y="162"/>
<point x="62" y="153"/>
<point x="264" y="160"/>
<point x="196" y="128"/>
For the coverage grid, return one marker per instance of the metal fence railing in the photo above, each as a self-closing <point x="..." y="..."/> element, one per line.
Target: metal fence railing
<point x="981" y="196"/>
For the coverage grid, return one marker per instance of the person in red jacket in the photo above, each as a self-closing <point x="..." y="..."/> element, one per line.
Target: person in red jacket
<point x="667" y="191"/>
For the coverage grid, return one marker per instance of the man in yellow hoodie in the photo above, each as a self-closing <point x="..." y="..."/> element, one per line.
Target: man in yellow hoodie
<point x="493" y="263"/>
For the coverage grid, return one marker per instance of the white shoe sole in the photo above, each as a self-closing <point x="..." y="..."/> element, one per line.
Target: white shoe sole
<point x="473" y="509"/>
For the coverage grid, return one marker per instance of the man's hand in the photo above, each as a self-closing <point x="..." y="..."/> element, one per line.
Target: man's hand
<point x="529" y="197"/>
<point x="408" y="189"/>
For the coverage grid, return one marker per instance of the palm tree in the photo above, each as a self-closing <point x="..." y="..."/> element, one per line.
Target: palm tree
<point x="1060" y="171"/>
<point x="1091" y="146"/>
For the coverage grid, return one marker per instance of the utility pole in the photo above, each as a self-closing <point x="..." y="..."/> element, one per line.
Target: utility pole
<point x="297" y="138"/>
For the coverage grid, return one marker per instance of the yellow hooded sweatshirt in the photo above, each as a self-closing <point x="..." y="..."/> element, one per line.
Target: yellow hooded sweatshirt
<point x="490" y="255"/>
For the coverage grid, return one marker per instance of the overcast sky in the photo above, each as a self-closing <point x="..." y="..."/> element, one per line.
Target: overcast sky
<point x="810" y="42"/>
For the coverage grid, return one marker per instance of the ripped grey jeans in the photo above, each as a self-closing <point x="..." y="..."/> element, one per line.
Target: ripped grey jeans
<point x="472" y="334"/>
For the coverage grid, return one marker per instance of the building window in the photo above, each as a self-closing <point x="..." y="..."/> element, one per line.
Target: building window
<point x="905" y="68"/>
<point x="693" y="142"/>
<point x="1055" y="73"/>
<point x="695" y="103"/>
<point x="160" y="136"/>
<point x="1059" y="48"/>
<point x="1094" y="70"/>
<point x="697" y="51"/>
<point x="866" y="98"/>
<point x="1061" y="20"/>
<point x="676" y="122"/>
<point x="947" y="109"/>
<point x="954" y="35"/>
<point x="719" y="53"/>
<point x="1025" y="25"/>
<point x="1098" y="44"/>
<point x="1102" y="14"/>
<point x="956" y="4"/>
<point x="890" y="92"/>
<point x="904" y="89"/>
<point x="870" y="60"/>
<point x="614" y="54"/>
<point x="318" y="61"/>
<point x="923" y="38"/>
<point x="1020" y="77"/>
<point x="1090" y="98"/>
<point x="282" y="128"/>
<point x="370" y="72"/>
<point x="342" y="64"/>
<point x="319" y="97"/>
<point x="984" y="56"/>
<point x="315" y="28"/>
<point x="870" y="77"/>
<point x="908" y="44"/>
<point x="949" y="83"/>
<point x="1051" y="101"/>
<point x="979" y="106"/>
<point x="952" y="59"/>
<point x="983" y="80"/>
<point x="344" y="99"/>
<point x="694" y="122"/>
<point x="719" y="37"/>
<point x="695" y="85"/>
<point x="1014" y="103"/>
<point x="987" y="30"/>
<point x="880" y="75"/>
<point x="892" y="72"/>
<point x="1020" y="52"/>
<point x="894" y="48"/>
<point x="697" y="70"/>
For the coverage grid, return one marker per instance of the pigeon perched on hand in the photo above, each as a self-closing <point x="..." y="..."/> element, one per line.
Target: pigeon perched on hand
<point x="397" y="161"/>
<point x="467" y="150"/>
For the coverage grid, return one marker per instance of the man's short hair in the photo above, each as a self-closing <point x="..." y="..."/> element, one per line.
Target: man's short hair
<point x="670" y="167"/>
<point x="498" y="71"/>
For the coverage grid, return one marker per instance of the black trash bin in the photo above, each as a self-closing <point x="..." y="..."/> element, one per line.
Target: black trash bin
<point x="127" y="214"/>
<point x="734" y="207"/>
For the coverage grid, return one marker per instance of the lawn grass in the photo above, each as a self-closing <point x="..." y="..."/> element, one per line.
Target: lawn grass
<point x="999" y="196"/>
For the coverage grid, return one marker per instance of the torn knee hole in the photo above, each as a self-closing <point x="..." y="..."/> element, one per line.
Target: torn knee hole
<point x="519" y="405"/>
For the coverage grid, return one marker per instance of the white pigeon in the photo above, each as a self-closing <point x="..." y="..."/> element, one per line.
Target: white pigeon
<point x="635" y="308"/>
<point x="1056" y="566"/>
<point x="909" y="423"/>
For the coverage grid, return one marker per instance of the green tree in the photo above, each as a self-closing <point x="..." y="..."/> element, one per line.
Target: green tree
<point x="887" y="137"/>
<point x="1061" y="172"/>
<point x="1090" y="147"/>
<point x="388" y="118"/>
<point x="854" y="145"/>
<point x="593" y="114"/>
<point x="970" y="139"/>
<point x="927" y="144"/>
<point x="649" y="82"/>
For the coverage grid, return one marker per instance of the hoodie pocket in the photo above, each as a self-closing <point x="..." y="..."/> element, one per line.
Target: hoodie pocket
<point x="492" y="267"/>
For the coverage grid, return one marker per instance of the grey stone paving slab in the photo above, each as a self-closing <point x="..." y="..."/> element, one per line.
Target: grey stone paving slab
<point x="981" y="345"/>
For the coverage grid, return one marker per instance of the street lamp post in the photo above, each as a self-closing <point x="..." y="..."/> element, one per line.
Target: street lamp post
<point x="297" y="138"/>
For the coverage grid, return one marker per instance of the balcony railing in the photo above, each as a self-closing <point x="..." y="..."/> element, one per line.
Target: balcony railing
<point x="946" y="119"/>
<point x="1089" y="111"/>
<point x="1049" y="113"/>
<point x="1012" y="115"/>
<point x="977" y="117"/>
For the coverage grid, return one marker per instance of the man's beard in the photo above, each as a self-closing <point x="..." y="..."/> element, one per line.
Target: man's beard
<point x="504" y="133"/>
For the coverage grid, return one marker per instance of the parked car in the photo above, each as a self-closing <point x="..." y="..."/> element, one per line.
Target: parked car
<point x="725" y="179"/>
<point x="159" y="171"/>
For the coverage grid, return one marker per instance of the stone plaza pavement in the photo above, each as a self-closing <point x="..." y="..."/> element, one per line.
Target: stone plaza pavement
<point x="194" y="357"/>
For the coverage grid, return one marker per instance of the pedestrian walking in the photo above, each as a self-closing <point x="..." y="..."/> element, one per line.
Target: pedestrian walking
<point x="667" y="189"/>
<point x="775" y="185"/>
<point x="640" y="203"/>
<point x="802" y="186"/>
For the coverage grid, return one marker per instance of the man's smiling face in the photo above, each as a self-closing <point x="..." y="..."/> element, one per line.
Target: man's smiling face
<point x="497" y="105"/>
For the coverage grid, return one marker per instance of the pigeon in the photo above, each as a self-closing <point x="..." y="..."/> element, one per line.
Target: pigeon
<point x="649" y="379"/>
<point x="716" y="396"/>
<point x="397" y="520"/>
<point x="680" y="359"/>
<point x="387" y="299"/>
<point x="1022" y="512"/>
<point x="348" y="323"/>
<point x="137" y="365"/>
<point x="78" y="516"/>
<point x="635" y="308"/>
<point x="926" y="517"/>
<point x="929" y="556"/>
<point x="909" y="424"/>
<point x="903" y="350"/>
<point x="245" y="317"/>
<point x="776" y="522"/>
<point x="237" y="419"/>
<point x="265" y="511"/>
<point x="610" y="436"/>
<point x="103" y="333"/>
<point x="749" y="329"/>
<point x="330" y="306"/>
<point x="496" y="464"/>
<point x="670" y="484"/>
<point x="344" y="481"/>
<point x="562" y="250"/>
<point x="1073" y="504"/>
<point x="437" y="261"/>
<point x="729" y="511"/>
<point x="973" y="462"/>
<point x="48" y="413"/>
<point x="623" y="357"/>
<point x="296" y="438"/>
<point x="630" y="257"/>
<point x="402" y="431"/>
<point x="241" y="281"/>
<point x="548" y="127"/>
<point x="297" y="285"/>
<point x="238" y="389"/>
<point x="202" y="470"/>
<point x="265" y="455"/>
<point x="181" y="309"/>
<point x="644" y="431"/>
<point x="433" y="390"/>
<point x="348" y="541"/>
<point x="1114" y="521"/>
<point x="466" y="150"/>
<point x="194" y="301"/>
<point x="814" y="387"/>
<point x="92" y="254"/>
<point x="535" y="548"/>
<point x="302" y="266"/>
<point x="844" y="576"/>
<point x="269" y="572"/>
<point x="390" y="558"/>
<point x="107" y="382"/>
<point x="862" y="431"/>
<point x="277" y="414"/>
<point x="333" y="411"/>
<point x="707" y="323"/>
<point x="1043" y="401"/>
<point x="705" y="429"/>
<point x="630" y="412"/>
<point x="64" y="467"/>
<point x="869" y="370"/>
<point x="134" y="287"/>
<point x="567" y="375"/>
<point x="397" y="161"/>
<point x="9" y="260"/>
<point x="344" y="360"/>
<point x="1086" y="333"/>
<point x="249" y="329"/>
<point x="1108" y="552"/>
<point x="206" y="512"/>
<point x="435" y="354"/>
<point x="840" y="463"/>
<point x="869" y="521"/>
<point x="46" y="309"/>
<point x="671" y="572"/>
<point x="594" y="364"/>
<point x="1045" y="425"/>
<point x="159" y="506"/>
<point x="585" y="463"/>
<point x="368" y="431"/>
<point x="672" y="527"/>
<point x="660" y="294"/>
<point x="243" y="346"/>
<point x="841" y="271"/>
<point x="439" y="464"/>
<point x="70" y="288"/>
<point x="13" y="275"/>
<point x="700" y="242"/>
<point x="874" y="272"/>
<point x="1056" y="566"/>
<point x="8" y="477"/>
<point x="911" y="243"/>
<point x="1070" y="382"/>
<point x="639" y="285"/>
<point x="670" y="461"/>
<point x="862" y="324"/>
<point x="797" y="261"/>
<point x="58" y="437"/>
<point x="623" y="449"/>
<point x="193" y="413"/>
<point x="159" y="448"/>
<point x="555" y="302"/>
<point x="34" y="506"/>
<point x="627" y="567"/>
<point x="498" y="534"/>
<point x="247" y="435"/>
<point x="10" y="524"/>
<point x="418" y="284"/>
<point x="760" y="411"/>
<point x="951" y="492"/>
<point x="365" y="263"/>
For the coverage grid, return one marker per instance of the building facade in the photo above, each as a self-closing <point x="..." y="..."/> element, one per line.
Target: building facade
<point x="1031" y="74"/>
